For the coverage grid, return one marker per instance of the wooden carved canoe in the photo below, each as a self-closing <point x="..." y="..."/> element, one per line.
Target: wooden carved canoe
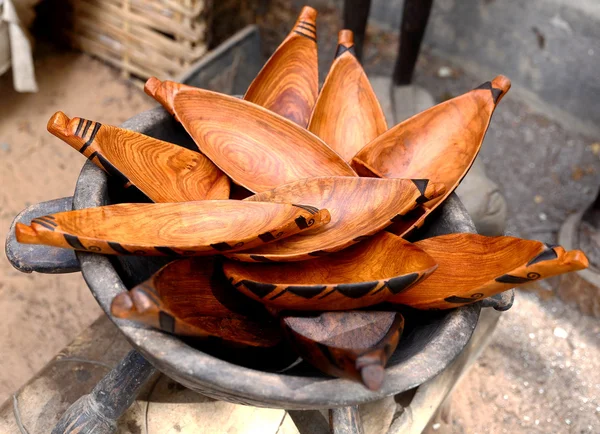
<point x="185" y="228"/>
<point x="362" y="275"/>
<point x="440" y="144"/>
<point x="163" y="171"/>
<point x="472" y="267"/>
<point x="359" y="207"/>
<point x="347" y="114"/>
<point x="190" y="297"/>
<point x="288" y="83"/>
<point x="354" y="345"/>
<point x="255" y="147"/>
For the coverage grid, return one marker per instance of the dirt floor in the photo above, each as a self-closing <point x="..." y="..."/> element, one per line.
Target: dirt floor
<point x="42" y="313"/>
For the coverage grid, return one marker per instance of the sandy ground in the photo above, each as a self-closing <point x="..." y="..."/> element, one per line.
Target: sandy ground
<point x="42" y="313"/>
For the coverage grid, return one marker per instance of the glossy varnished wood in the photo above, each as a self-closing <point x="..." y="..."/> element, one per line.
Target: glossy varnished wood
<point x="255" y="147"/>
<point x="288" y="84"/>
<point x="164" y="92"/>
<point x="163" y="171"/>
<point x="359" y="207"/>
<point x="191" y="297"/>
<point x="186" y="228"/>
<point x="365" y="274"/>
<point x="440" y="144"/>
<point x="347" y="114"/>
<point x="354" y="345"/>
<point x="473" y="267"/>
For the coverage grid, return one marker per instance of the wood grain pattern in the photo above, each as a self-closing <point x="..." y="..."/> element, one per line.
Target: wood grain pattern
<point x="473" y="267"/>
<point x="347" y="114"/>
<point x="163" y="171"/>
<point x="186" y="228"/>
<point x="255" y="147"/>
<point x="440" y="144"/>
<point x="359" y="207"/>
<point x="164" y="92"/>
<point x="288" y="84"/>
<point x="362" y="275"/>
<point x="354" y="345"/>
<point x="191" y="297"/>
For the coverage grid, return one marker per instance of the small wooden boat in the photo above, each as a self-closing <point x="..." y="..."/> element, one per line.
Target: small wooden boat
<point x="163" y="171"/>
<point x="354" y="345"/>
<point x="255" y="147"/>
<point x="473" y="267"/>
<point x="347" y="114"/>
<point x="359" y="207"/>
<point x="191" y="297"/>
<point x="206" y="227"/>
<point x="362" y="275"/>
<point x="288" y="83"/>
<point x="164" y="92"/>
<point x="440" y="144"/>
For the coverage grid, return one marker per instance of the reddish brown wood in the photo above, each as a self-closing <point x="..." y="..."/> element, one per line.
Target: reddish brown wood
<point x="359" y="207"/>
<point x="362" y="275"/>
<point x="191" y="297"/>
<point x="164" y="92"/>
<point x="354" y="345"/>
<point x="255" y="147"/>
<point x="473" y="267"/>
<point x="347" y="114"/>
<point x="186" y="228"/>
<point x="163" y="171"/>
<point x="288" y="84"/>
<point x="440" y="144"/>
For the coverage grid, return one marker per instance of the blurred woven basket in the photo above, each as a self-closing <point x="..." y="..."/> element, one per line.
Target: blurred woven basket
<point x="143" y="38"/>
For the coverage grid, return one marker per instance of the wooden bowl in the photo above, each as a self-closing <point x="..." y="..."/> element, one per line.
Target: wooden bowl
<point x="440" y="144"/>
<point x="362" y="275"/>
<point x="163" y="171"/>
<point x="417" y="360"/>
<point x="347" y="114"/>
<point x="359" y="207"/>
<point x="185" y="228"/>
<point x="255" y="147"/>
<point x="190" y="297"/>
<point x="354" y="345"/>
<point x="473" y="267"/>
<point x="288" y="84"/>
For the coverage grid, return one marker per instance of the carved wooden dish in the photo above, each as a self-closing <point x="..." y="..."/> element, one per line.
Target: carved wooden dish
<point x="288" y="83"/>
<point x="184" y="228"/>
<point x="440" y="144"/>
<point x="354" y="345"/>
<point x="255" y="147"/>
<point x="190" y="297"/>
<point x="473" y="267"/>
<point x="347" y="114"/>
<point x="163" y="171"/>
<point x="362" y="275"/>
<point x="359" y="207"/>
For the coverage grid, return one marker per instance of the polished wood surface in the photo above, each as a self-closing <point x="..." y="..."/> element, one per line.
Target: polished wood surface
<point x="473" y="267"/>
<point x="440" y="144"/>
<point x="191" y="297"/>
<point x="354" y="345"/>
<point x="365" y="274"/>
<point x="359" y="207"/>
<point x="288" y="84"/>
<point x="347" y="114"/>
<point x="186" y="228"/>
<point x="164" y="92"/>
<point x="163" y="171"/>
<point x="255" y="147"/>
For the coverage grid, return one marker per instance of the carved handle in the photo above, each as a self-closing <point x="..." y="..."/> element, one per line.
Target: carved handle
<point x="345" y="420"/>
<point x="41" y="259"/>
<point x="98" y="412"/>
